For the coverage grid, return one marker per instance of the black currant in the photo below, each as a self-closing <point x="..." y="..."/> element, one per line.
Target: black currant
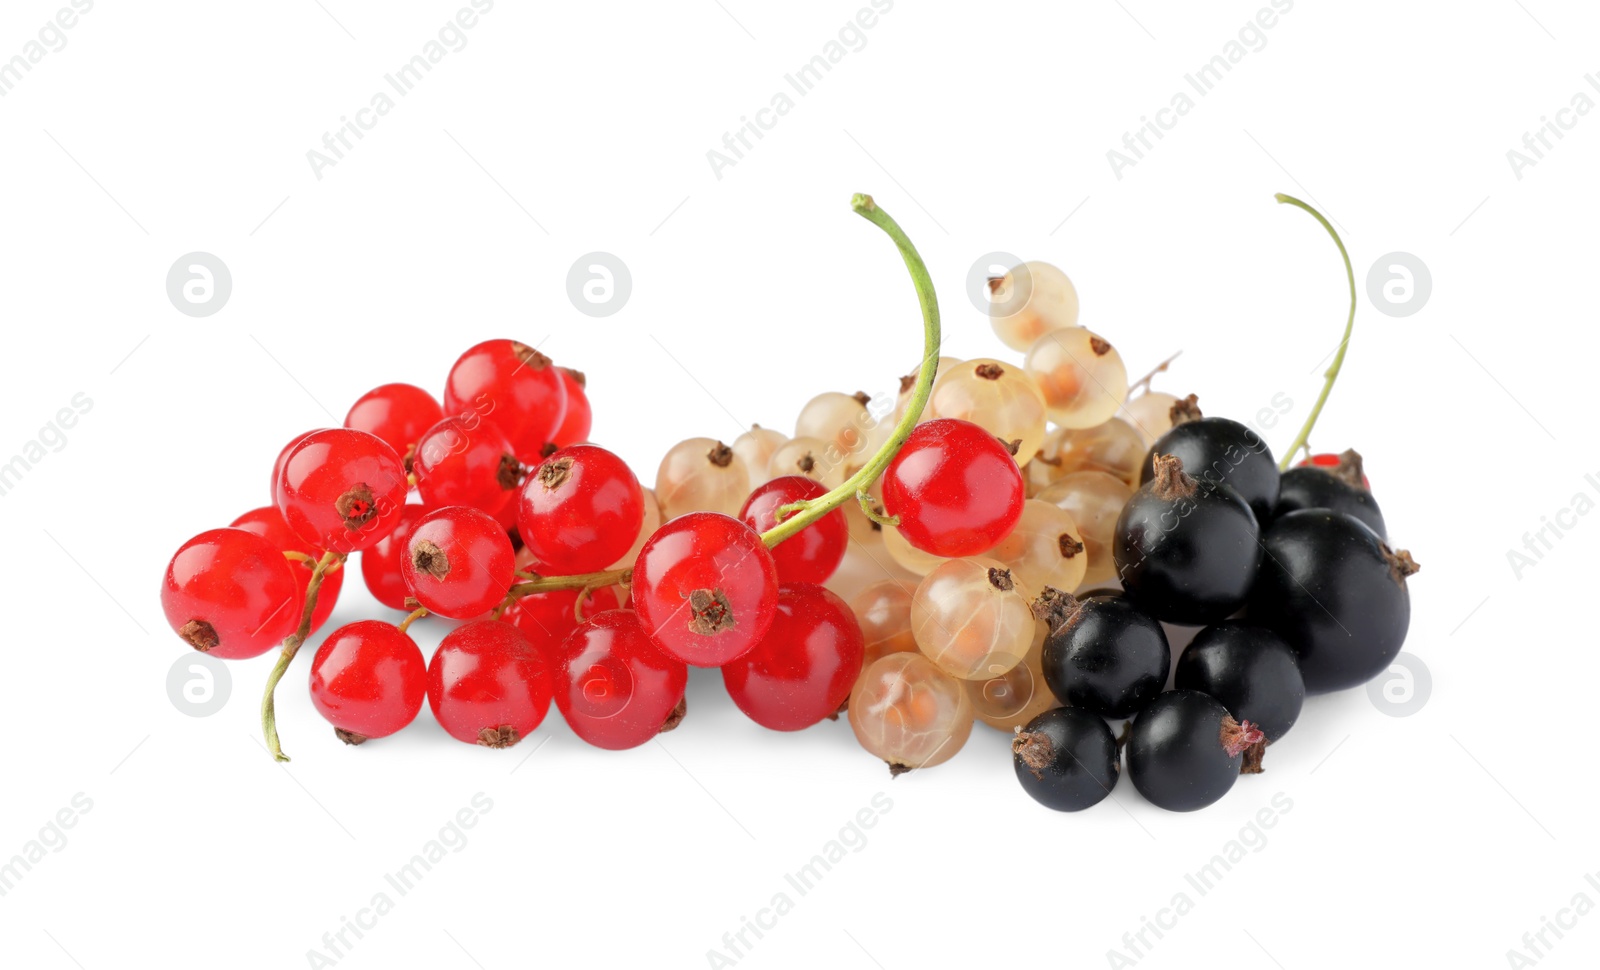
<point x="1066" y="759"/>
<point x="1219" y="451"/>
<point x="1105" y="657"/>
<point x="1250" y="670"/>
<point x="1340" y="489"/>
<point x="1334" y="592"/>
<point x="1185" y="750"/>
<point x="1186" y="552"/>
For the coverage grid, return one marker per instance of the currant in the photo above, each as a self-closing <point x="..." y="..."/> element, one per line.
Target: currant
<point x="398" y="414"/>
<point x="1029" y="301"/>
<point x="283" y="456"/>
<point x="1080" y="375"/>
<point x="579" y="418"/>
<point x="467" y="461"/>
<point x="810" y="555"/>
<point x="755" y="448"/>
<point x="1044" y="548"/>
<point x="972" y="619"/>
<point x="954" y="487"/>
<point x="1104" y="656"/>
<point x="1153" y="414"/>
<point x="1340" y="488"/>
<point x="615" y="686"/>
<point x="1186" y="553"/>
<point x="1219" y="451"/>
<point x="907" y="556"/>
<point x="458" y="562"/>
<point x="883" y="611"/>
<point x="488" y="685"/>
<point x="1094" y="500"/>
<point x="909" y="713"/>
<point x="1066" y="759"/>
<point x="1336" y="593"/>
<point x="267" y="522"/>
<point x="513" y="385"/>
<point x="341" y="490"/>
<point x="1113" y="447"/>
<point x="1014" y="698"/>
<point x="803" y="669"/>
<point x="701" y="475"/>
<point x="548" y="618"/>
<point x="843" y="423"/>
<point x="908" y="384"/>
<point x="705" y="587"/>
<point x="580" y="510"/>
<point x="231" y="593"/>
<point x="997" y="397"/>
<point x="818" y="460"/>
<point x="1250" y="670"/>
<point x="368" y="680"/>
<point x="381" y="565"/>
<point x="1185" y="750"/>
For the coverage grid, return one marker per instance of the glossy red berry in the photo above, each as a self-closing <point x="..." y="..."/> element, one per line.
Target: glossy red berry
<point x="803" y="669"/>
<point x="458" y="562"/>
<point x="513" y="385"/>
<point x="575" y="426"/>
<point x="342" y="490"/>
<point x="614" y="685"/>
<point x="467" y="461"/>
<point x="580" y="510"/>
<point x="706" y="588"/>
<point x="488" y="685"/>
<point x="547" y="618"/>
<point x="397" y="413"/>
<point x="368" y="680"/>
<point x="283" y="456"/>
<point x="955" y="488"/>
<point x="267" y="522"/>
<point x="381" y="564"/>
<point x="230" y="593"/>
<point x="810" y="555"/>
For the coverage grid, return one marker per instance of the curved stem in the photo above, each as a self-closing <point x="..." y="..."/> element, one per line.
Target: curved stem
<point x="544" y="584"/>
<point x="862" y="480"/>
<point x="412" y="617"/>
<point x="1301" y="440"/>
<point x="291" y="646"/>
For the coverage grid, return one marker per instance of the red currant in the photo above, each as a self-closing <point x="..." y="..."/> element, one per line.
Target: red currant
<point x="368" y="680"/>
<point x="810" y="555"/>
<point x="467" y="461"/>
<point x="803" y="669"/>
<point x="267" y="522"/>
<point x="283" y="456"/>
<point x="458" y="562"/>
<point x="550" y="617"/>
<point x="706" y="588"/>
<point x="580" y="417"/>
<point x="580" y="510"/>
<point x="342" y="489"/>
<point x="514" y="385"/>
<point x="614" y="685"/>
<point x="231" y="593"/>
<point x="380" y="565"/>
<point x="397" y="413"/>
<point x="488" y="685"/>
<point x="955" y="487"/>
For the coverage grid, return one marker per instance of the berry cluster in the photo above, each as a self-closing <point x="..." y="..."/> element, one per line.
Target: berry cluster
<point x="1056" y="521"/>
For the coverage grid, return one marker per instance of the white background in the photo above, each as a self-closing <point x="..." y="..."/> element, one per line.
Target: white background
<point x="560" y="129"/>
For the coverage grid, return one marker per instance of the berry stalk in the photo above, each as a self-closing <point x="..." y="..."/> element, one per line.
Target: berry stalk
<point x="802" y="514"/>
<point x="1302" y="440"/>
<point x="291" y="645"/>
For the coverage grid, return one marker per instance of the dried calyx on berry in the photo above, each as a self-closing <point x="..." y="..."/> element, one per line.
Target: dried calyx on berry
<point x="1242" y="737"/>
<point x="1185" y="410"/>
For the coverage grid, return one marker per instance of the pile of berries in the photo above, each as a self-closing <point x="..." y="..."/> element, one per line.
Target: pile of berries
<point x="1057" y="522"/>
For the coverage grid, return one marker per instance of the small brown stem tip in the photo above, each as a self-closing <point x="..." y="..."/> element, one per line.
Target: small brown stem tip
<point x="1034" y="749"/>
<point x="1170" y="480"/>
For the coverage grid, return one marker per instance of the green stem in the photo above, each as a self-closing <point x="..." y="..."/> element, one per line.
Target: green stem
<point x="1301" y="440"/>
<point x="291" y="646"/>
<point x="857" y="484"/>
<point x="544" y="584"/>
